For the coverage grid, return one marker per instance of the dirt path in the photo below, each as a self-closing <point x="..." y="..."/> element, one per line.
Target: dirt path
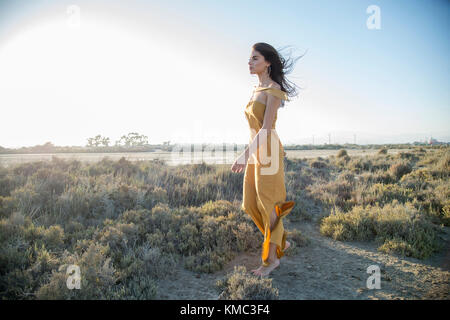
<point x="328" y="269"/>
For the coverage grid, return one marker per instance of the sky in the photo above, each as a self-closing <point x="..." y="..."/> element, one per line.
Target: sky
<point x="178" y="70"/>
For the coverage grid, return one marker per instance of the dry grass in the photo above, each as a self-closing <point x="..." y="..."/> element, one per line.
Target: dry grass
<point x="127" y="224"/>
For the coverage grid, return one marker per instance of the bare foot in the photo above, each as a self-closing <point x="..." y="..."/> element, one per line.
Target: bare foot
<point x="287" y="245"/>
<point x="264" y="271"/>
<point x="257" y="270"/>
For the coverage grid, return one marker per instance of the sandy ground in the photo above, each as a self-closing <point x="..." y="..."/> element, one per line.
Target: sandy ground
<point x="329" y="269"/>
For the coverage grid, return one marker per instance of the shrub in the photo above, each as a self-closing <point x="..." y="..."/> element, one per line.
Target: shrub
<point x="417" y="179"/>
<point x="246" y="238"/>
<point x="398" y="227"/>
<point x="96" y="272"/>
<point x="17" y="219"/>
<point x="202" y="168"/>
<point x="128" y="224"/>
<point x="379" y="176"/>
<point x="140" y="287"/>
<point x="7" y="206"/>
<point x="443" y="166"/>
<point x="400" y="169"/>
<point x="338" y="192"/>
<point x="51" y="181"/>
<point x="208" y="260"/>
<point x="28" y="201"/>
<point x="6" y="183"/>
<point x="386" y="193"/>
<point x="407" y="156"/>
<point x="54" y="237"/>
<point x="207" y="236"/>
<point x="360" y="164"/>
<point x="239" y="285"/>
<point x="318" y="164"/>
<point x="125" y="197"/>
<point x="155" y="263"/>
<point x="118" y="236"/>
<point x="216" y="208"/>
<point x="342" y="153"/>
<point x="399" y="246"/>
<point x="383" y="151"/>
<point x="297" y="240"/>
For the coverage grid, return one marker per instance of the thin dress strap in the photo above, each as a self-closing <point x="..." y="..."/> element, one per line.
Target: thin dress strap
<point x="274" y="91"/>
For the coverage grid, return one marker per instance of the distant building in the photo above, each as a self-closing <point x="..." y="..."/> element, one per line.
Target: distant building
<point x="434" y="141"/>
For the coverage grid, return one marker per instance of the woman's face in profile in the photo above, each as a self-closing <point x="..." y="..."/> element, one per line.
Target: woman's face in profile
<point x="257" y="64"/>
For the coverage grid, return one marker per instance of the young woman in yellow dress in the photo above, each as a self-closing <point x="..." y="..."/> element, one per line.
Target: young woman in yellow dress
<point x="264" y="192"/>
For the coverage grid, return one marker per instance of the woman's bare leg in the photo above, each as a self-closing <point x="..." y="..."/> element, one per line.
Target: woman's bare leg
<point x="273" y="260"/>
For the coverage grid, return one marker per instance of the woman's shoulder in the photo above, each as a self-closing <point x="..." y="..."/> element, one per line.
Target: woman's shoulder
<point x="275" y="89"/>
<point x="274" y="85"/>
<point x="270" y="86"/>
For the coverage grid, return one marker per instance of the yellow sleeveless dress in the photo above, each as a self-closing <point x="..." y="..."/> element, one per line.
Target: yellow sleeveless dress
<point x="264" y="191"/>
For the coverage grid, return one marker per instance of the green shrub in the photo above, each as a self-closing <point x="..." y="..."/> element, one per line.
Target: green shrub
<point x="239" y="285"/>
<point x="7" y="206"/>
<point x="318" y="164"/>
<point x="207" y="260"/>
<point x="6" y="183"/>
<point x="385" y="193"/>
<point x="417" y="179"/>
<point x="342" y="153"/>
<point x="50" y="181"/>
<point x="391" y="225"/>
<point x="360" y="164"/>
<point x="155" y="263"/>
<point x="400" y="169"/>
<point x="54" y="237"/>
<point x="407" y="156"/>
<point x="383" y="151"/>
<point x="338" y="192"/>
<point x="442" y="167"/>
<point x="96" y="272"/>
<point x="140" y="287"/>
<point x="297" y="240"/>
<point x="129" y="224"/>
<point x="399" y="246"/>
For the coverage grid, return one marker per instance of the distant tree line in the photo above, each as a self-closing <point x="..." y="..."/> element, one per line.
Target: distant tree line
<point x="133" y="142"/>
<point x="133" y="139"/>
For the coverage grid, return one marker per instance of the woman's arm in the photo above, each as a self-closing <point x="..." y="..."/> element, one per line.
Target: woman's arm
<point x="269" y="116"/>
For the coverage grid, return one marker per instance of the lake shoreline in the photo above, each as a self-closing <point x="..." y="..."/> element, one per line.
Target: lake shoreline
<point x="178" y="157"/>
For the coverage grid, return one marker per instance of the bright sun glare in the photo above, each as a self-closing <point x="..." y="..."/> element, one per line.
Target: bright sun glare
<point x="96" y="55"/>
<point x="53" y="76"/>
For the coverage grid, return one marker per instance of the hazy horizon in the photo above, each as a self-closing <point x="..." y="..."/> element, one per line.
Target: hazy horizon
<point x="400" y="139"/>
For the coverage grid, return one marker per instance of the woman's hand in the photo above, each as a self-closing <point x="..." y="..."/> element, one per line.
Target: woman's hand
<point x="239" y="165"/>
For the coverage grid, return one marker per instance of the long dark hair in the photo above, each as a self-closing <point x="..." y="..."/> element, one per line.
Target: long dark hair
<point x="279" y="67"/>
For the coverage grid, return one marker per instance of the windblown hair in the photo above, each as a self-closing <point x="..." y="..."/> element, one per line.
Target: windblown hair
<point x="279" y="67"/>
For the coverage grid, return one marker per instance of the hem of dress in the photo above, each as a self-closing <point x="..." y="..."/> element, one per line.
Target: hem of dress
<point x="281" y="210"/>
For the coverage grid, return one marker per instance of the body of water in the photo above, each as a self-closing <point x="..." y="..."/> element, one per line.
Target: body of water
<point x="176" y="158"/>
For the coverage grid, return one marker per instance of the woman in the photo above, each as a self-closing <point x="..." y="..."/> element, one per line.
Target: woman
<point x="264" y="191"/>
